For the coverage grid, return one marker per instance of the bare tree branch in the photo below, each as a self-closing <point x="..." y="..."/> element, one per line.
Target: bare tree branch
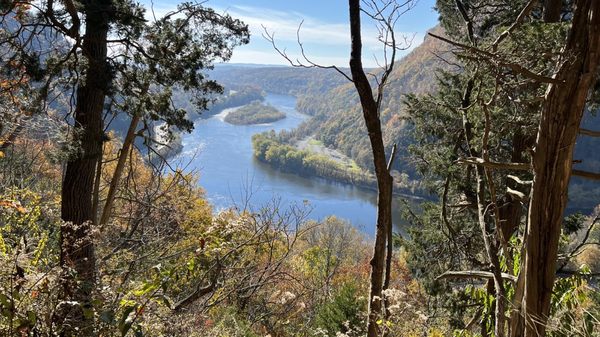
<point x="497" y="61"/>
<point x="590" y="133"/>
<point x="470" y="274"/>
<point x="307" y="63"/>
<point x="586" y="174"/>
<point x="493" y="164"/>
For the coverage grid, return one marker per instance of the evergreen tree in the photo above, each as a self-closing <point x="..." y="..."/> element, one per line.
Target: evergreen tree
<point x="477" y="138"/>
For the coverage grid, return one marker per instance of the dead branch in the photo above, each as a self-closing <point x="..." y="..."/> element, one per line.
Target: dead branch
<point x="493" y="164"/>
<point x="477" y="274"/>
<point x="590" y="133"/>
<point x="497" y="61"/>
<point x="586" y="174"/>
<point x="307" y="62"/>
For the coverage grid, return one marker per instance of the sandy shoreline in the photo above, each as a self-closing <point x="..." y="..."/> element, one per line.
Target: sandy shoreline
<point x="221" y="115"/>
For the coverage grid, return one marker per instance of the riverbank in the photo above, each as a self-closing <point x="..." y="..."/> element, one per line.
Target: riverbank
<point x="309" y="158"/>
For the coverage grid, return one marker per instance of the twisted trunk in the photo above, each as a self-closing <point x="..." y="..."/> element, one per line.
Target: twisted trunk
<point x="552" y="162"/>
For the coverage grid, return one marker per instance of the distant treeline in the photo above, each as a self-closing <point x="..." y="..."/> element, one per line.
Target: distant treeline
<point x="280" y="80"/>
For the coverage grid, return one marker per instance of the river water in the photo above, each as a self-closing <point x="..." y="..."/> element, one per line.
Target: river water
<point x="222" y="155"/>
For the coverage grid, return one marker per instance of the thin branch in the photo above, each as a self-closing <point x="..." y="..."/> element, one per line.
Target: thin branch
<point x="590" y="133"/>
<point x="586" y="174"/>
<point x="519" y="181"/>
<point x="470" y="274"/>
<point x="584" y="242"/>
<point x="497" y="61"/>
<point x="308" y="63"/>
<point x="524" y="13"/>
<point x="198" y="293"/>
<point x="392" y="157"/>
<point x="493" y="164"/>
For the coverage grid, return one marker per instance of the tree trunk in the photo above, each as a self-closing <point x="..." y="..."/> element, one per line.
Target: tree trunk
<point x="552" y="10"/>
<point x="370" y="111"/>
<point x="510" y="218"/>
<point x="114" y="183"/>
<point x="492" y="252"/>
<point x="552" y="162"/>
<point x="75" y="315"/>
<point x="96" y="193"/>
<point x="551" y="14"/>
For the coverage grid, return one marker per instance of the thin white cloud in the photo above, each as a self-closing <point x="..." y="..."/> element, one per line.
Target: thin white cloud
<point x="285" y="26"/>
<point x="246" y="55"/>
<point x="325" y="42"/>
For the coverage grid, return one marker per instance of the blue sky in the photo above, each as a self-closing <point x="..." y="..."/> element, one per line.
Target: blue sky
<point x="324" y="32"/>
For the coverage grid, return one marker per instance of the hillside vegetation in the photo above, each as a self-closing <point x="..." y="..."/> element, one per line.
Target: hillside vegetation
<point x="278" y="80"/>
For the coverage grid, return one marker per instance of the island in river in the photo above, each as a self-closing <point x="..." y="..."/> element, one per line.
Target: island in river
<point x="254" y="113"/>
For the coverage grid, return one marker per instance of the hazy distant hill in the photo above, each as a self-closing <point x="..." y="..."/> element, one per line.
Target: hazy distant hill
<point x="278" y="79"/>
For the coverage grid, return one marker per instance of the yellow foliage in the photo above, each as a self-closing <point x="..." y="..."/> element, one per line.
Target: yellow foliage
<point x="434" y="332"/>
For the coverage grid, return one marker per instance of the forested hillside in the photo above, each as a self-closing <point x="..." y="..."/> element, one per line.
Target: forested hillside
<point x="279" y="80"/>
<point x="338" y="121"/>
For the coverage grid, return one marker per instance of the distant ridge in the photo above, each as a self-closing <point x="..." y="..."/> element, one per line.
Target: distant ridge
<point x="250" y="65"/>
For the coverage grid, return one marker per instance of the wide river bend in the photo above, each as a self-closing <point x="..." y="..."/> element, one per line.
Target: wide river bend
<point x="222" y="155"/>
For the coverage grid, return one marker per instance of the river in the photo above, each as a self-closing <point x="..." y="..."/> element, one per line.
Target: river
<point x="222" y="155"/>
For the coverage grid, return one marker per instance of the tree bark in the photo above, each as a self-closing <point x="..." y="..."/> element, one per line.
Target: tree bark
<point x="370" y="111"/>
<point x="75" y="315"/>
<point x="562" y="112"/>
<point x="552" y="10"/>
<point x="96" y="193"/>
<point x="389" y="256"/>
